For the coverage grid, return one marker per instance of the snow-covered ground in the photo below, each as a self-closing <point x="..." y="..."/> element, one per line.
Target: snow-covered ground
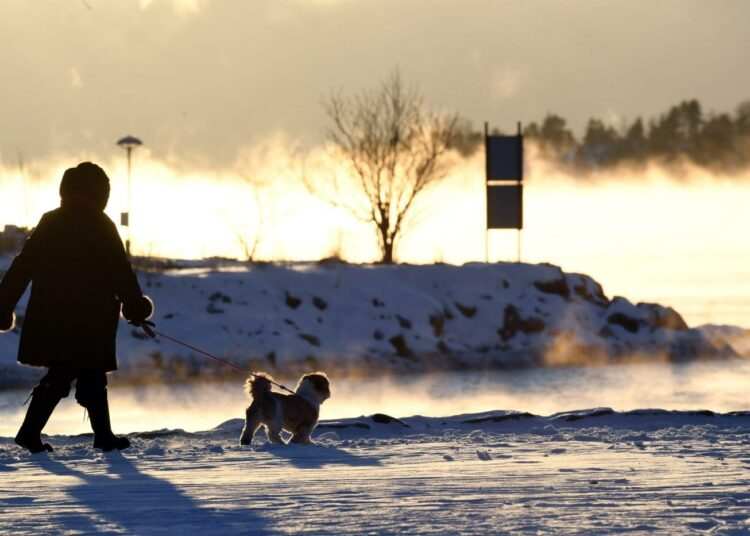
<point x="581" y="472"/>
<point x="589" y="471"/>
<point x="353" y="318"/>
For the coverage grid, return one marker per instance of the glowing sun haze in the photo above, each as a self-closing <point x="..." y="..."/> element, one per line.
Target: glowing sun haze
<point x="224" y="93"/>
<point x="643" y="234"/>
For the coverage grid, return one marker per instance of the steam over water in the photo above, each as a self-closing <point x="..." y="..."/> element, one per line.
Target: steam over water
<point x="677" y="238"/>
<point x="718" y="386"/>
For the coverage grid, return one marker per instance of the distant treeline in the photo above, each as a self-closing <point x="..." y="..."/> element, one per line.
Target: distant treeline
<point x="685" y="133"/>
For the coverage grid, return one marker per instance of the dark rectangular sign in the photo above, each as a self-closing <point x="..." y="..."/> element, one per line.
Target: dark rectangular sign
<point x="505" y="206"/>
<point x="504" y="158"/>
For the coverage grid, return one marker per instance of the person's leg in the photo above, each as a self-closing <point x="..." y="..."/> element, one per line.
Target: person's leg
<point x="45" y="396"/>
<point x="91" y="393"/>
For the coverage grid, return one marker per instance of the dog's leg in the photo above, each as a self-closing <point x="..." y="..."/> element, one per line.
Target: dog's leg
<point x="252" y="422"/>
<point x="274" y="427"/>
<point x="302" y="435"/>
<point x="274" y="435"/>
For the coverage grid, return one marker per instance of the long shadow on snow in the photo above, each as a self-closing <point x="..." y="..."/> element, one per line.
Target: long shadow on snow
<point x="317" y="456"/>
<point x="137" y="502"/>
<point x="6" y="468"/>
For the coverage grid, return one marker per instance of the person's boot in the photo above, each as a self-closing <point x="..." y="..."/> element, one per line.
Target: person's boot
<point x="103" y="437"/>
<point x="42" y="405"/>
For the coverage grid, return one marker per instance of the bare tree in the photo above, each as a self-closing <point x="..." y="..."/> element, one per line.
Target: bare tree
<point x="267" y="214"/>
<point x="392" y="148"/>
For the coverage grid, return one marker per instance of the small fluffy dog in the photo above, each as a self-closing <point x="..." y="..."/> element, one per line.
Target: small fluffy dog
<point x="297" y="413"/>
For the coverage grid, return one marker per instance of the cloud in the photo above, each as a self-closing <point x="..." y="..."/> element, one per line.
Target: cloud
<point x="180" y="7"/>
<point x="507" y="82"/>
<point x="324" y="3"/>
<point x="76" y="81"/>
<point x="613" y="118"/>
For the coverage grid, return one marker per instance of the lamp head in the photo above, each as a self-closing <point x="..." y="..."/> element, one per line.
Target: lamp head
<point x="129" y="142"/>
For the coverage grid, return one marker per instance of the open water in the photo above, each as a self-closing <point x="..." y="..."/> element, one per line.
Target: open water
<point x="719" y="386"/>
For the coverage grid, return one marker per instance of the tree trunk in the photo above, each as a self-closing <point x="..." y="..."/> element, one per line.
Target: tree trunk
<point x="385" y="238"/>
<point x="388" y="252"/>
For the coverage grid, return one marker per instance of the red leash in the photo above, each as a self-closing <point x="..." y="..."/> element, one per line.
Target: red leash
<point x="150" y="330"/>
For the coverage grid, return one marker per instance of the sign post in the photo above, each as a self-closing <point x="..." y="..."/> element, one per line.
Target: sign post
<point x="504" y="176"/>
<point x="128" y="143"/>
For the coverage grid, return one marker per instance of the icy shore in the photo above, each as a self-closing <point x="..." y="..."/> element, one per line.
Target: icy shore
<point x="588" y="471"/>
<point x="403" y="318"/>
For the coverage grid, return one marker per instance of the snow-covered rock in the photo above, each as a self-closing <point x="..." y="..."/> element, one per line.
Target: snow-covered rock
<point x="736" y="337"/>
<point x="374" y="318"/>
<point x="12" y="238"/>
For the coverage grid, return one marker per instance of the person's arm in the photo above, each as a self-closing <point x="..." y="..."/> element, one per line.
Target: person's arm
<point x="135" y="306"/>
<point x="18" y="276"/>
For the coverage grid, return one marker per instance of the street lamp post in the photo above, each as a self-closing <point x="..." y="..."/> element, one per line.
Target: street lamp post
<point x="128" y="143"/>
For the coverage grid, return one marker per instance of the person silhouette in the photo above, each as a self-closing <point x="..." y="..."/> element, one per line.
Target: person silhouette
<point x="81" y="280"/>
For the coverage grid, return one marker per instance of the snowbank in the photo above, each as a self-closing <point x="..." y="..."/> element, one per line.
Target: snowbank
<point x="355" y="318"/>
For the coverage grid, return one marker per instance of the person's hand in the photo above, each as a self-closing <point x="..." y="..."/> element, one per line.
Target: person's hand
<point x="7" y="321"/>
<point x="138" y="311"/>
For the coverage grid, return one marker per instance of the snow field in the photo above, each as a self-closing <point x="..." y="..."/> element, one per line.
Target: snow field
<point x="582" y="472"/>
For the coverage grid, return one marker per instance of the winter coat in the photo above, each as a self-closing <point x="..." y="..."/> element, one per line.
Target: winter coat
<point x="79" y="274"/>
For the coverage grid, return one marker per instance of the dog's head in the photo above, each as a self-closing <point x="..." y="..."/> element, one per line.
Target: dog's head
<point x="314" y="384"/>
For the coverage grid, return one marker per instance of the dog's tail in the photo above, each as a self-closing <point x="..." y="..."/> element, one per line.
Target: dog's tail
<point x="258" y="384"/>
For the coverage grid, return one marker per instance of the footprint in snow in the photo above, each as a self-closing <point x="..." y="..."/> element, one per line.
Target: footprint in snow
<point x="484" y="455"/>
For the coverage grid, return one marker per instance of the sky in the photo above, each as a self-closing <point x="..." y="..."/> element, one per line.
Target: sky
<point x="226" y="95"/>
<point x="201" y="80"/>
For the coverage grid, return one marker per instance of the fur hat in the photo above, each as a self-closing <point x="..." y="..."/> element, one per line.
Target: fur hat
<point x="85" y="184"/>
